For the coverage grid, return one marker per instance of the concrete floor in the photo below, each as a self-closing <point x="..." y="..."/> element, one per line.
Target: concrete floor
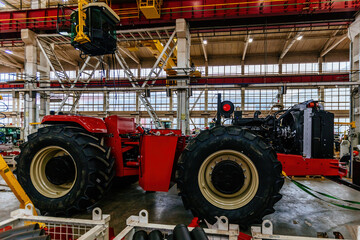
<point x="297" y="213"/>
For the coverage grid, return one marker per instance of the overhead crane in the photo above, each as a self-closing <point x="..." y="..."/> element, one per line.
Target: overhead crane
<point x="199" y="13"/>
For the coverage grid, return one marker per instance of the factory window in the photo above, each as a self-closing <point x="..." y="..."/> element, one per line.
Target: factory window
<point x="337" y="98"/>
<point x="91" y="102"/>
<point x="341" y="129"/>
<point x="260" y="99"/>
<point x="197" y="123"/>
<point x="295" y="96"/>
<point x="6" y="104"/>
<point x="296" y="68"/>
<point x="122" y="101"/>
<point x="336" y="67"/>
<point x="159" y="101"/>
<point x="55" y="101"/>
<point x="199" y="98"/>
<point x="230" y="95"/>
<point x="148" y="123"/>
<point x="5" y="77"/>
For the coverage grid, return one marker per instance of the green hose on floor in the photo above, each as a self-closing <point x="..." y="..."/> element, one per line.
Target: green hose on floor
<point x="312" y="193"/>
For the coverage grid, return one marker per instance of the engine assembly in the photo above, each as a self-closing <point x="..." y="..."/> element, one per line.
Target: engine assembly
<point x="304" y="129"/>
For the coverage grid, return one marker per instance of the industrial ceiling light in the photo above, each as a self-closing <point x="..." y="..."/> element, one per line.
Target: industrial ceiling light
<point x="251" y="40"/>
<point x="299" y="37"/>
<point x="204" y="42"/>
<point x="8" y="52"/>
<point x="2" y="4"/>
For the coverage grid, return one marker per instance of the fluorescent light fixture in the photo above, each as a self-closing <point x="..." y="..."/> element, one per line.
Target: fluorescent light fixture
<point x="8" y="52"/>
<point x="299" y="37"/>
<point x="251" y="40"/>
<point x="2" y="4"/>
<point x="64" y="33"/>
<point x="205" y="42"/>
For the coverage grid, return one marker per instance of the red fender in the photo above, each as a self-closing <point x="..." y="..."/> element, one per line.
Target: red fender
<point x="91" y="124"/>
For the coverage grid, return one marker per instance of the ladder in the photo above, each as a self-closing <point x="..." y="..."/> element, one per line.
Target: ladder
<point x="76" y="95"/>
<point x="144" y="100"/>
<point x="162" y="60"/>
<point x="54" y="63"/>
<point x="71" y="98"/>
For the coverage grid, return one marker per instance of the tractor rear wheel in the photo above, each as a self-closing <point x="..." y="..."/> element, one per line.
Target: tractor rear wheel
<point x="228" y="171"/>
<point x="64" y="169"/>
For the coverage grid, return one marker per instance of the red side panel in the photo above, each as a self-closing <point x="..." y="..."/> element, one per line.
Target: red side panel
<point x="91" y="124"/>
<point x="157" y="158"/>
<point x="296" y="165"/>
<point x="123" y="125"/>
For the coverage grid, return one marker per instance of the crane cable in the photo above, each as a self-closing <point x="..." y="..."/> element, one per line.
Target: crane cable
<point x="312" y="192"/>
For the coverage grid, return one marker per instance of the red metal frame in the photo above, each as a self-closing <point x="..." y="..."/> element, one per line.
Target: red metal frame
<point x="191" y="10"/>
<point x="117" y="126"/>
<point x="297" y="165"/>
<point x="285" y="78"/>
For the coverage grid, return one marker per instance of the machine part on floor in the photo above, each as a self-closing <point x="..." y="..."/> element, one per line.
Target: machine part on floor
<point x="64" y="169"/>
<point x="181" y="232"/>
<point x="229" y="171"/>
<point x="156" y="235"/>
<point x="135" y="223"/>
<point x="64" y="228"/>
<point x="93" y="28"/>
<point x="15" y="186"/>
<point x="198" y="234"/>
<point x="140" y="235"/>
<point x="265" y="232"/>
<point x="26" y="235"/>
<point x="21" y="229"/>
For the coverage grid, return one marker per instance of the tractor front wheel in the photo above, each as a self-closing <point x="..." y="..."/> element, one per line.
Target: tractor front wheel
<point x="228" y="171"/>
<point x="64" y="169"/>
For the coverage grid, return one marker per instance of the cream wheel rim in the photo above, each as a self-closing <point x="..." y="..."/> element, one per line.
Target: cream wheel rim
<point x="242" y="194"/>
<point x="38" y="175"/>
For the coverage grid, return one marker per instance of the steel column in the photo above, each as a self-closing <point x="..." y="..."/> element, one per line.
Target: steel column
<point x="183" y="62"/>
<point x="30" y="107"/>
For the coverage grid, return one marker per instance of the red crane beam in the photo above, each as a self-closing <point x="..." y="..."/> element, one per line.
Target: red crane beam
<point x="211" y="81"/>
<point x="197" y="12"/>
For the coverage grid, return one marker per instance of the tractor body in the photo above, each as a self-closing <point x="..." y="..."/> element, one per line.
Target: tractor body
<point x="233" y="171"/>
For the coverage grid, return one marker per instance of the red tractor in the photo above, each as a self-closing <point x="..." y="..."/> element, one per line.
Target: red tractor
<point x="230" y="171"/>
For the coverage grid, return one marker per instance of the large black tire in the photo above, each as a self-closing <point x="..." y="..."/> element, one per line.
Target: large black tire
<point x="86" y="164"/>
<point x="232" y="140"/>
